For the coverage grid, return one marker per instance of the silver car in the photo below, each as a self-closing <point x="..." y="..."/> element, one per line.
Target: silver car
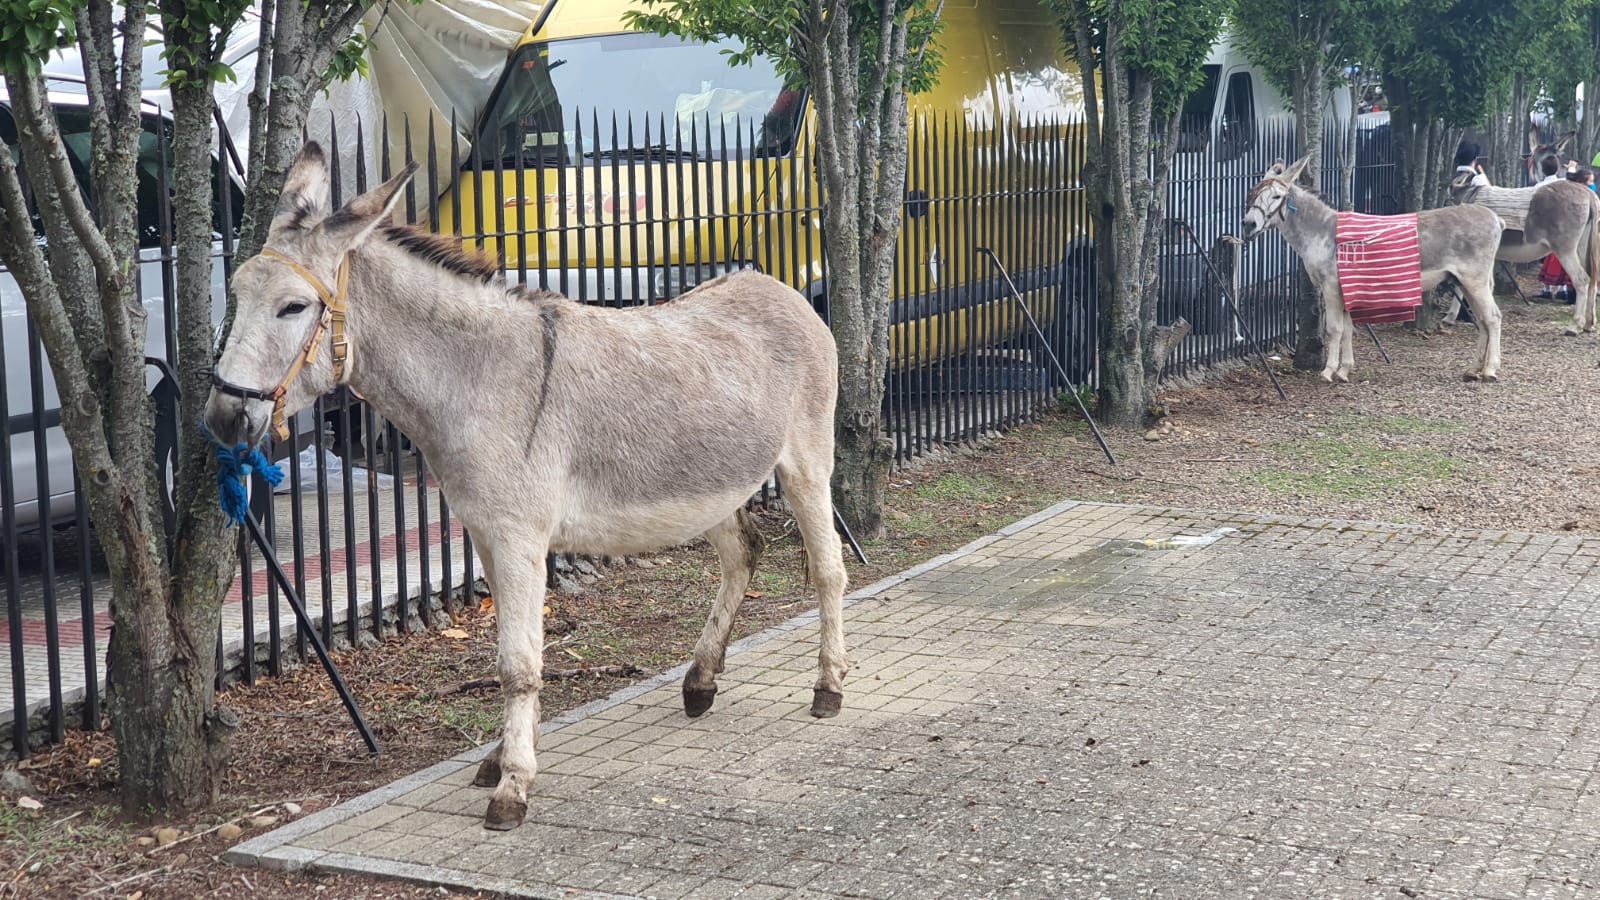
<point x="32" y="409"/>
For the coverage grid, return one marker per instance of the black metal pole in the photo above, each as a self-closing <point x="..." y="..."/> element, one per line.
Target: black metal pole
<point x="316" y="639"/>
<point x="1379" y="344"/>
<point x="839" y="523"/>
<point x="1045" y="343"/>
<point x="1227" y="296"/>
<point x="1511" y="273"/>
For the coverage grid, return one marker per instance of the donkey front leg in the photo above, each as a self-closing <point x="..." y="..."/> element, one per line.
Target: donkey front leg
<point x="519" y="606"/>
<point x="1487" y="313"/>
<point x="1347" y="349"/>
<point x="738" y="544"/>
<point x="1333" y="323"/>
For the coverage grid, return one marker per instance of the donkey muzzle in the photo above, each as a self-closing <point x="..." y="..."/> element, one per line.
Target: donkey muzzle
<point x="230" y="420"/>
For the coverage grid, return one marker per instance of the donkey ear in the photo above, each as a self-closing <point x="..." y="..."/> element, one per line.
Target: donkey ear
<point x="351" y="224"/>
<point x="1300" y="166"/>
<point x="304" y="200"/>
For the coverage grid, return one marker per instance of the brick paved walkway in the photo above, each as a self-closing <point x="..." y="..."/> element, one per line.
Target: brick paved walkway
<point x="1101" y="701"/>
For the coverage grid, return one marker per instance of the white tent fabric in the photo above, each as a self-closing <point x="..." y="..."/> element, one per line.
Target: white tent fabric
<point x="430" y="60"/>
<point x="424" y="61"/>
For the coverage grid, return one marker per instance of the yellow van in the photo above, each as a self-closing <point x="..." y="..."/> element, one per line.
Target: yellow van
<point x="622" y="167"/>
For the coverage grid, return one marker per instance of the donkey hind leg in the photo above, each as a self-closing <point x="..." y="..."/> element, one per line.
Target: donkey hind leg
<point x="519" y="607"/>
<point x="1480" y="296"/>
<point x="738" y="544"/>
<point x="805" y="483"/>
<point x="1333" y="320"/>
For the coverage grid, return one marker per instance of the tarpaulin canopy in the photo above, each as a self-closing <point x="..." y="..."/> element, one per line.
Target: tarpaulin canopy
<point x="426" y="63"/>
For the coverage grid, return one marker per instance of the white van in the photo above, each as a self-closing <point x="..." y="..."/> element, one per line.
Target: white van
<point x="1231" y="130"/>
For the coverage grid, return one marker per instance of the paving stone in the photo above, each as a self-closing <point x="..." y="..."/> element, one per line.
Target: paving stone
<point x="1301" y="708"/>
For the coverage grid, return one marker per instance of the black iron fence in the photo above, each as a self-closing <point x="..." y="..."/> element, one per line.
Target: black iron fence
<point x="621" y="212"/>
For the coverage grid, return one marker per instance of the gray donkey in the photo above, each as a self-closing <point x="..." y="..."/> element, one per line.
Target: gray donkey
<point x="1456" y="242"/>
<point x="1562" y="217"/>
<point x="551" y="426"/>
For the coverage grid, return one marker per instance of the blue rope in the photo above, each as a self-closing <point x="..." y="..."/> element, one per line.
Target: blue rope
<point x="234" y="465"/>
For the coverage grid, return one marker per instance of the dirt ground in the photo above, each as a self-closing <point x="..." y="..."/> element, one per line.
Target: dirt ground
<point x="1407" y="441"/>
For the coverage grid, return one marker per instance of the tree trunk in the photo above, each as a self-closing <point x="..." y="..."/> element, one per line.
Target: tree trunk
<point x="1349" y="144"/>
<point x="861" y="147"/>
<point x="1585" y="146"/>
<point x="171" y="739"/>
<point x="170" y="736"/>
<point x="1127" y="201"/>
<point x="1416" y="142"/>
<point x="1310" y="96"/>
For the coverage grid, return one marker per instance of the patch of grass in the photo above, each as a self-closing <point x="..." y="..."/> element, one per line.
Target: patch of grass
<point x="48" y="841"/>
<point x="780" y="582"/>
<point x="1401" y="424"/>
<point x="956" y="486"/>
<point x="1342" y="467"/>
<point x="478" y="724"/>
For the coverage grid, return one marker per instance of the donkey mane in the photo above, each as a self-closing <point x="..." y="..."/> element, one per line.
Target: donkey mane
<point x="444" y="251"/>
<point x="1263" y="184"/>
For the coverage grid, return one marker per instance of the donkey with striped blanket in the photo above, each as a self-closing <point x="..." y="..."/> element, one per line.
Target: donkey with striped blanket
<point x="1456" y="242"/>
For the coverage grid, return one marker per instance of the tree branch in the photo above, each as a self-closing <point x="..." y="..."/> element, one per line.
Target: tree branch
<point x="121" y="315"/>
<point x="1086" y="68"/>
<point x="332" y="35"/>
<point x="81" y="416"/>
<point x="33" y="114"/>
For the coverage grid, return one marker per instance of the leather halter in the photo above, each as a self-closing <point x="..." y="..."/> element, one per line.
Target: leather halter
<point x="1287" y="200"/>
<point x="333" y="314"/>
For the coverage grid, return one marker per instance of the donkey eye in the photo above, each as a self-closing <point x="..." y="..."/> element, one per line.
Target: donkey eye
<point x="292" y="309"/>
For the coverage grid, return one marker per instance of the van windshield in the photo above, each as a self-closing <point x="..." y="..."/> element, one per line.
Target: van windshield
<point x="545" y="107"/>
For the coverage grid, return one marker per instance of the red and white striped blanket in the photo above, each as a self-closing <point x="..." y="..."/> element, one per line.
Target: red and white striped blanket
<point x="1380" y="267"/>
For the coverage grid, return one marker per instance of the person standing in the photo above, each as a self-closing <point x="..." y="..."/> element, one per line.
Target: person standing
<point x="1467" y="161"/>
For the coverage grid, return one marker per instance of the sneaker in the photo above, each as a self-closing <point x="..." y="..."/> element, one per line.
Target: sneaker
<point x="1544" y="294"/>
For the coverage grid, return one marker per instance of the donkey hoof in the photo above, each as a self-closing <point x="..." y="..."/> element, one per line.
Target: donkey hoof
<point x="1490" y="379"/>
<point x="488" y="771"/>
<point x="825" y="703"/>
<point x="1326" y="376"/>
<point x="504" y="814"/>
<point x="1342" y="377"/>
<point x="1471" y="376"/>
<point x="1572" y="331"/>
<point x="696" y="701"/>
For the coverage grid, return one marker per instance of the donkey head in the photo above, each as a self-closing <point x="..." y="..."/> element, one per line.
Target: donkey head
<point x="1557" y="149"/>
<point x="1267" y="200"/>
<point x="1461" y="186"/>
<point x="286" y="347"/>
